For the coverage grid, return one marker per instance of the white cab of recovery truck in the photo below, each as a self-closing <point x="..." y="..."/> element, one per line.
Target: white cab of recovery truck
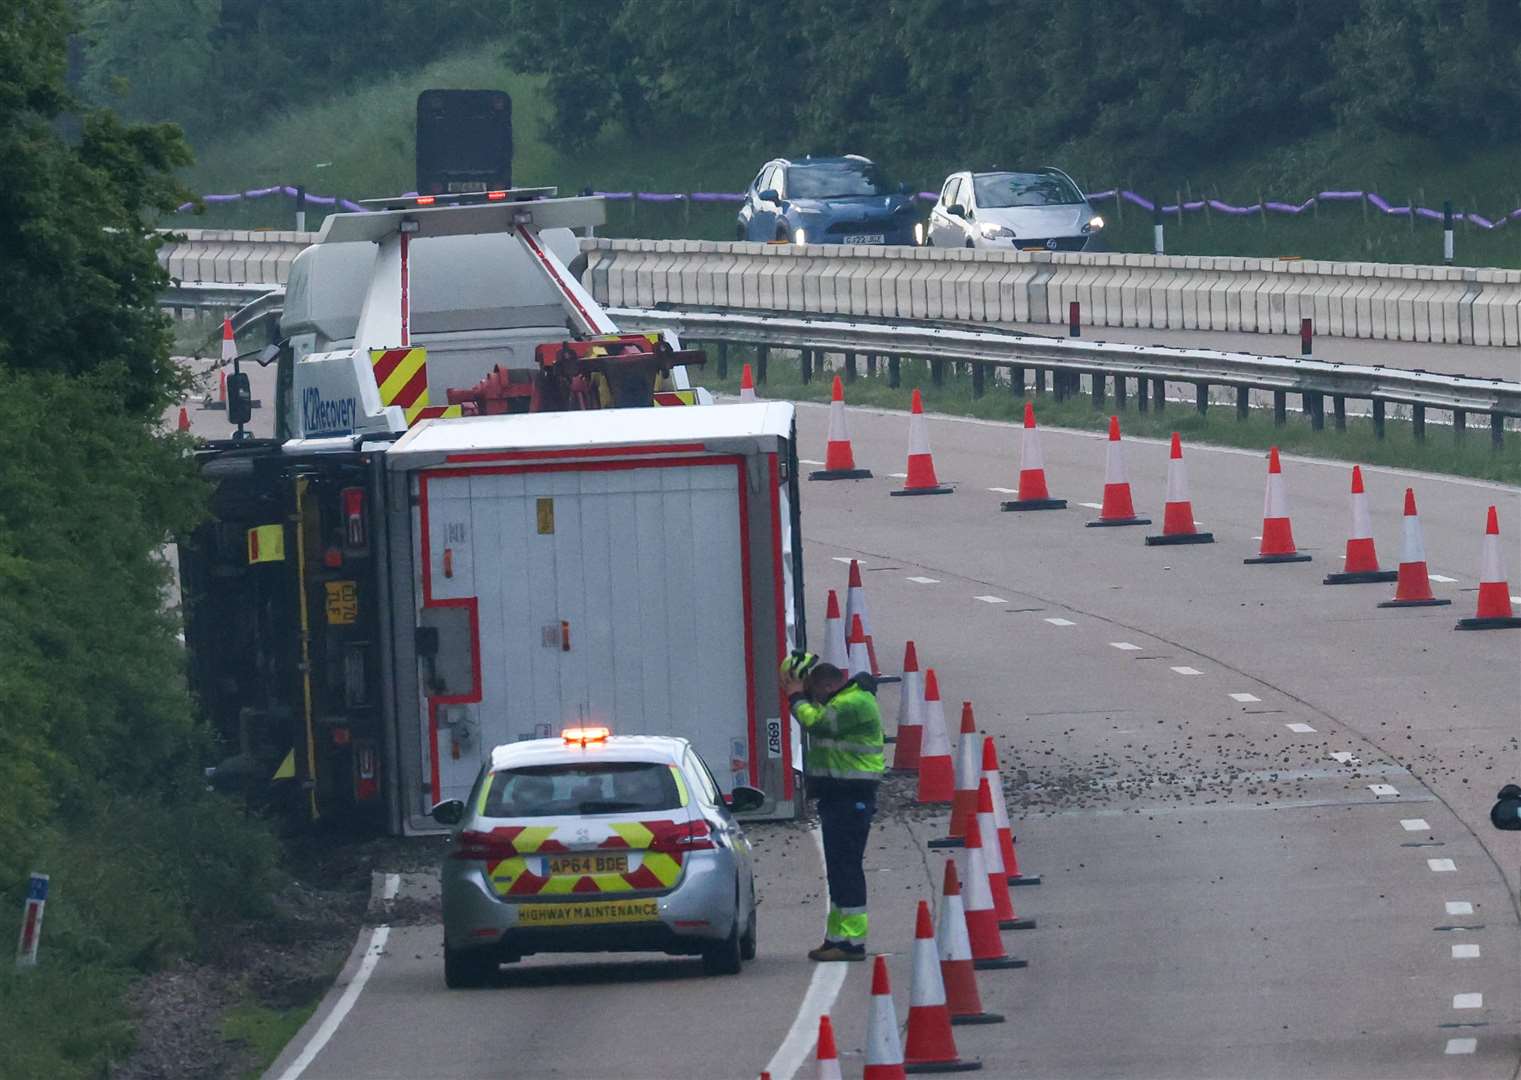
<point x="638" y="568"/>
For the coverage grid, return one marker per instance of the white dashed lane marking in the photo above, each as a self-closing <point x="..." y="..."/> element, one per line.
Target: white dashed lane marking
<point x="1465" y="952"/>
<point x="1459" y="907"/>
<point x="848" y="560"/>
<point x="1005" y="491"/>
<point x="1061" y="622"/>
<point x="808" y="461"/>
<point x="991" y="599"/>
<point x="1245" y="698"/>
<point x="1300" y="729"/>
<point x="1092" y="506"/>
<point x="1442" y="578"/>
<point x="898" y="475"/>
<point x="1468" y="1001"/>
<point x="1188" y="671"/>
<point x="925" y="580"/>
<point x="1344" y="757"/>
<point x="1461" y="1046"/>
<point x="1414" y="824"/>
<point x="1124" y="646"/>
<point x="1441" y="866"/>
<point x="1383" y="789"/>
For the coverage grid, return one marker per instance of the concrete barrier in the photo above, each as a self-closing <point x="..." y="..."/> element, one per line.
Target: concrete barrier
<point x="232" y="256"/>
<point x="1382" y="301"/>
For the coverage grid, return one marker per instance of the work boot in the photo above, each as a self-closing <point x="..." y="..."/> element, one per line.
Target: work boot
<point x="838" y="950"/>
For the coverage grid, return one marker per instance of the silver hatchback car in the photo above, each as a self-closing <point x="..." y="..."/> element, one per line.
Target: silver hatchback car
<point x="1039" y="209"/>
<point x="596" y="843"/>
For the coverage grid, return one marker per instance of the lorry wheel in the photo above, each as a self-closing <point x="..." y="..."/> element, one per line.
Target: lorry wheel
<point x="466" y="969"/>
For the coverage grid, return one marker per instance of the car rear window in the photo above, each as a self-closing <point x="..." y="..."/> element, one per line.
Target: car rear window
<point x="575" y="788"/>
<point x="996" y="190"/>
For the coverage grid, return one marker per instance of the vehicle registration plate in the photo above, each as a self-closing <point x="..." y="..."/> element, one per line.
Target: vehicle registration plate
<point x="584" y="913"/>
<point x="865" y="238"/>
<point x="588" y="863"/>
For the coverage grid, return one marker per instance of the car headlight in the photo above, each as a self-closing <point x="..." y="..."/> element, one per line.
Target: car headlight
<point x="919" y="233"/>
<point x="991" y="231"/>
<point x="1095" y="224"/>
<point x="800" y="235"/>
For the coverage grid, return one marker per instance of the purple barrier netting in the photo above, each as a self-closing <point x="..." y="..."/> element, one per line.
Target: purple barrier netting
<point x="1102" y="196"/>
<point x="351" y="206"/>
<point x="259" y="193"/>
<point x="1289" y="208"/>
<point x="1428" y="213"/>
<point x="661" y="197"/>
<point x="615" y="196"/>
<point x="1340" y="196"/>
<point x="221" y="198"/>
<point x="928" y="196"/>
<point x="1139" y="200"/>
<point x="322" y="200"/>
<point x="717" y="196"/>
<point x="1227" y="208"/>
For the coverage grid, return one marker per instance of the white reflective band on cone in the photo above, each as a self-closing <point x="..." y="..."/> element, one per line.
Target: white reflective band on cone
<point x="911" y="700"/>
<point x="837" y="432"/>
<point x="968" y="761"/>
<point x="1362" y="525"/>
<point x="1177" y="481"/>
<point x="1030" y="456"/>
<point x="992" y="851"/>
<point x="936" y="743"/>
<point x="950" y="936"/>
<point x="857" y="661"/>
<point x="974" y="880"/>
<point x="1492" y="570"/>
<point x="928" y="988"/>
<point x="1275" y="501"/>
<point x="1000" y="808"/>
<point x="918" y="435"/>
<point x="1413" y="548"/>
<point x="882" y="1044"/>
<point x="836" y="651"/>
<point x="1114" y="464"/>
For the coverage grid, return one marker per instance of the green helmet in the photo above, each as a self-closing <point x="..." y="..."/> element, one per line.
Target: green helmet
<point x="798" y="664"/>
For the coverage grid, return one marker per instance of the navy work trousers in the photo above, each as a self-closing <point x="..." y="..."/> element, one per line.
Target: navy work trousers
<point x="846" y="822"/>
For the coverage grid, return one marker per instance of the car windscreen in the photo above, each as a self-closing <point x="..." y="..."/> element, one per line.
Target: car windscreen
<point x="996" y="190"/>
<point x="834" y="180"/>
<point x="589" y="787"/>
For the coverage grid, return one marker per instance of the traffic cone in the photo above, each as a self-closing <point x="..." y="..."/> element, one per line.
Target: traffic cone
<point x="1414" y="588"/>
<point x="839" y="459"/>
<point x="855" y="606"/>
<point x="1277" y="533"/>
<point x="855" y="649"/>
<point x="884" y="1053"/>
<point x="184" y="424"/>
<point x="747" y="384"/>
<point x="1032" y="471"/>
<point x="992" y="774"/>
<point x="836" y="651"/>
<point x="921" y="465"/>
<point x="220" y="404"/>
<point x="956" y="971"/>
<point x="981" y="917"/>
<point x="968" y="770"/>
<point x="931" y="1047"/>
<point x="910" y="714"/>
<point x="937" y="781"/>
<point x="1362" y="560"/>
<point x="1494" y="611"/>
<point x="1117" y="508"/>
<point x="828" y="1053"/>
<point x="1178" y="514"/>
<point x="992" y="854"/>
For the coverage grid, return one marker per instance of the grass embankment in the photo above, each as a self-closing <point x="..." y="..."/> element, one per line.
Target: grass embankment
<point x="1440" y="452"/>
<point x="367" y="138"/>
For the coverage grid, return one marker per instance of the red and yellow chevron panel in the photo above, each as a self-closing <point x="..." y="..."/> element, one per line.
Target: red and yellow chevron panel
<point x="402" y="376"/>
<point x="511" y="877"/>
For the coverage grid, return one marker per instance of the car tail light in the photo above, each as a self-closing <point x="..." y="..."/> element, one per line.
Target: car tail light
<point x="426" y="200"/>
<point x="684" y="836"/>
<point x="482" y="846"/>
<point x="495" y="196"/>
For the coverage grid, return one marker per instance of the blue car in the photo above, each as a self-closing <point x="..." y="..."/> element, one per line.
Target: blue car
<point x="828" y="200"/>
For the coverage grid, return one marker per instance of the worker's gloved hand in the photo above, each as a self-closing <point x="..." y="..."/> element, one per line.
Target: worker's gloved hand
<point x="1506" y="814"/>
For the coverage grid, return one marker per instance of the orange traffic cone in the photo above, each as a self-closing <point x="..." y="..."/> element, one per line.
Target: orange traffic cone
<point x="859" y="663"/>
<point x="1414" y="588"/>
<point x="1277" y="533"/>
<point x="747" y="384"/>
<point x="981" y="917"/>
<point x="956" y="971"/>
<point x="839" y="459"/>
<point x="991" y="773"/>
<point x="1118" y="508"/>
<point x="829" y="1054"/>
<point x="884" y="1053"/>
<point x="910" y="714"/>
<point x="1362" y="559"/>
<point x="931" y="1047"/>
<point x="1032" y="471"/>
<point x="836" y="651"/>
<point x="968" y="770"/>
<point x="1494" y="611"/>
<point x="1178" y="514"/>
<point x="992" y="855"/>
<point x="855" y="604"/>
<point x="921" y="465"/>
<point x="937" y="781"/>
<point x="184" y="424"/>
<point x="221" y="400"/>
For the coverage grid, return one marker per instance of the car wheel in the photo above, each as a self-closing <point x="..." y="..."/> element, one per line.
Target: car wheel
<point x="466" y="969"/>
<point x="747" y="943"/>
<point x="783" y="236"/>
<point x="969" y="242"/>
<point x="725" y="957"/>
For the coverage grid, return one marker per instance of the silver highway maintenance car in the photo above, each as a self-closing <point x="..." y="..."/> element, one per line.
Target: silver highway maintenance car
<point x="596" y="843"/>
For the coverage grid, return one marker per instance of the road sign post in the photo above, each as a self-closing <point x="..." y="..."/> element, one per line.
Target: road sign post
<point x="31" y="921"/>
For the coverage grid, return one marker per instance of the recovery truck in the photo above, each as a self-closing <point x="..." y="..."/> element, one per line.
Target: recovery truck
<point x="485" y="515"/>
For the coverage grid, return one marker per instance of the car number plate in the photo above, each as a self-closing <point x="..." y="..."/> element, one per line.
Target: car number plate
<point x="588" y="864"/>
<point x="866" y="238"/>
<point x="585" y="913"/>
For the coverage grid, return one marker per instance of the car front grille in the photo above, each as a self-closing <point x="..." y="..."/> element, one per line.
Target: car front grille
<point x="881" y="225"/>
<point x="1057" y="243"/>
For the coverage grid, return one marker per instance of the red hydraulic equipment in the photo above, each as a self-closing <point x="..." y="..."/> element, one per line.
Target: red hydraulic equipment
<point x="617" y="371"/>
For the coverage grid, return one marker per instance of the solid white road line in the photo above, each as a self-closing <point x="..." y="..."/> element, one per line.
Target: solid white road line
<point x="1245" y="698"/>
<point x="392" y="887"/>
<point x="925" y="580"/>
<point x="351" y="994"/>
<point x="1465" y="952"/>
<point x="1459" y="907"/>
<point x="808" y="461"/>
<point x="1124" y="646"/>
<point x="1441" y="866"/>
<point x="1383" y="789"/>
<point x="991" y="599"/>
<point x="1461" y="1046"/>
<point x="1188" y="671"/>
<point x="1468" y="1001"/>
<point x="1300" y="729"/>
<point x="823" y="988"/>
<point x="1414" y="824"/>
<point x="1061" y="622"/>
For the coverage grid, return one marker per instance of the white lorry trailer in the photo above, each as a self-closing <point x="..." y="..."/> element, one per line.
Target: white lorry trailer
<point x="433" y="558"/>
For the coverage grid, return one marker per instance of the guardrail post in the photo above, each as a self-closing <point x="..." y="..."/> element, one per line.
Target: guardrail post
<point x="762" y="354"/>
<point x="1447" y="232"/>
<point x="1280" y="408"/>
<point x="1201" y="397"/>
<point x="1099" y="379"/>
<point x="850" y="367"/>
<point x="1317" y="408"/>
<point x="937" y="372"/>
<point x="1496" y="431"/>
<point x="1143" y="393"/>
<point x="1059" y="384"/>
<point x="871" y="364"/>
<point x="1339" y="411"/>
<point x="1159" y="392"/>
<point x="1243" y="401"/>
<point x="1378" y="418"/>
<point x="1017" y="380"/>
<point x="723" y="359"/>
<point x="979" y="378"/>
<point x="1418" y="422"/>
<point x="1120" y="392"/>
<point x="807" y="361"/>
<point x="1039" y="382"/>
<point x="894" y="372"/>
<point x="1459" y="425"/>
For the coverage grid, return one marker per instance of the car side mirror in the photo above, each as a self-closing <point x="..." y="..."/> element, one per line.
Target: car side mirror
<point x="744" y="799"/>
<point x="269" y="354"/>
<point x="448" y="812"/>
<point x="771" y="195"/>
<point x="956" y="210"/>
<point x="239" y="399"/>
<point x="1505" y="814"/>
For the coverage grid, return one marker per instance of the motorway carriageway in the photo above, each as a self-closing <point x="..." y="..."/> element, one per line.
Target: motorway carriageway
<point x="1259" y="804"/>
